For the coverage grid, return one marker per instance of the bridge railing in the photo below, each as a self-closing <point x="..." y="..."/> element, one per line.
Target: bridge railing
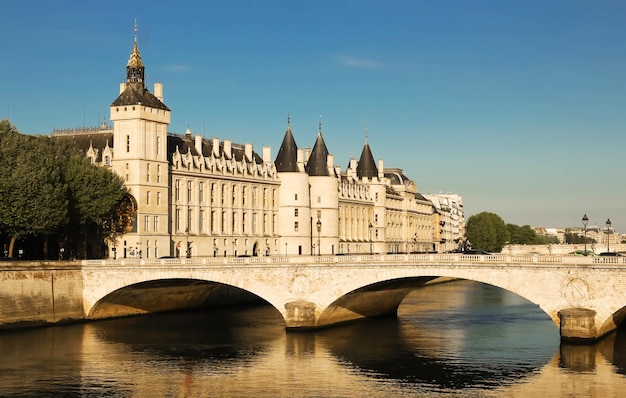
<point x="366" y="259"/>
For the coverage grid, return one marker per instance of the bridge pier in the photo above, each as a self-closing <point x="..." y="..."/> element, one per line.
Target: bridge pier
<point x="578" y="325"/>
<point x="300" y="314"/>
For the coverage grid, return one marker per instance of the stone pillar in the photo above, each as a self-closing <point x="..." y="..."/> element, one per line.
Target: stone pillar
<point x="300" y="314"/>
<point x="577" y="324"/>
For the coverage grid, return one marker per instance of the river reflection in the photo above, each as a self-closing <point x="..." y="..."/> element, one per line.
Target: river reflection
<point x="453" y="339"/>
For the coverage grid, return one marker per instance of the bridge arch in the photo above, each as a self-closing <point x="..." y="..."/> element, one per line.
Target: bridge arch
<point x="317" y="291"/>
<point x="383" y="296"/>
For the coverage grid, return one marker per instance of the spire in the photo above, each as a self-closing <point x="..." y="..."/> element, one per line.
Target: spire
<point x="134" y="91"/>
<point x="135" y="70"/>
<point x="318" y="161"/>
<point x="287" y="158"/>
<point x="366" y="166"/>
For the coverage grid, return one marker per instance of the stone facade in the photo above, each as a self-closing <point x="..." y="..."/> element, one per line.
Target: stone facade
<point x="209" y="197"/>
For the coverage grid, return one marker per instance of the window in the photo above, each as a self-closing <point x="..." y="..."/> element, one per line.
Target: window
<point x="295" y="226"/>
<point x="156" y="223"/>
<point x="158" y="144"/>
<point x="295" y="197"/>
<point x="148" y="197"/>
<point x="200" y="192"/>
<point x="319" y="214"/>
<point x="201" y="220"/>
<point x="188" y="191"/>
<point x="158" y="198"/>
<point x="177" y="190"/>
<point x="107" y="160"/>
<point x="177" y="220"/>
<point x="189" y="217"/>
<point x="319" y="199"/>
<point x="127" y="143"/>
<point x="146" y="223"/>
<point x="295" y="212"/>
<point x="148" y="173"/>
<point x="158" y="173"/>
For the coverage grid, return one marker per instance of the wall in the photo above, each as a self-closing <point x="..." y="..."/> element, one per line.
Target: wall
<point x="33" y="293"/>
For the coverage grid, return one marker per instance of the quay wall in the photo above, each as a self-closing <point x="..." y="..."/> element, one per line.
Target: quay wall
<point x="39" y="293"/>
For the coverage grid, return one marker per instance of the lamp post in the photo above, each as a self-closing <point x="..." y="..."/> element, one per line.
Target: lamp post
<point x="370" y="229"/>
<point x="585" y="221"/>
<point x="608" y="237"/>
<point x="319" y="231"/>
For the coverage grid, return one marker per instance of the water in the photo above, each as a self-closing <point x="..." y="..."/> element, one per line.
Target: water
<point x="455" y="339"/>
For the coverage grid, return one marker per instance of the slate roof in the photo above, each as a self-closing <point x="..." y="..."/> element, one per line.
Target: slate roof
<point x="366" y="167"/>
<point x="287" y="158"/>
<point x="186" y="143"/>
<point x="317" y="165"/>
<point x="136" y="94"/>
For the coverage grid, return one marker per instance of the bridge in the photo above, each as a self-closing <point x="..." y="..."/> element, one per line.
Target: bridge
<point x="584" y="296"/>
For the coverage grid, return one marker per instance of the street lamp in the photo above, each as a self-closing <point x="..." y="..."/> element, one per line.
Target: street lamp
<point x="319" y="231"/>
<point x="608" y="237"/>
<point x="585" y="221"/>
<point x="370" y="229"/>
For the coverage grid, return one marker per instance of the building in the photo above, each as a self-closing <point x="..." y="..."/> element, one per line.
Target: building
<point x="210" y="197"/>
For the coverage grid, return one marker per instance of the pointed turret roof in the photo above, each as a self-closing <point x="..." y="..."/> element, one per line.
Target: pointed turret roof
<point x="136" y="92"/>
<point x="366" y="167"/>
<point x="318" y="161"/>
<point x="287" y="158"/>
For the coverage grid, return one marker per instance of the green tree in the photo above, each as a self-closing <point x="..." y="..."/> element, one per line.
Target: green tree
<point x="48" y="186"/>
<point x="95" y="199"/>
<point x="523" y="235"/>
<point x="486" y="231"/>
<point x="33" y="197"/>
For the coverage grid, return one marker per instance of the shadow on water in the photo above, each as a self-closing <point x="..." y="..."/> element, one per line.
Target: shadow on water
<point x="220" y="333"/>
<point x="381" y="348"/>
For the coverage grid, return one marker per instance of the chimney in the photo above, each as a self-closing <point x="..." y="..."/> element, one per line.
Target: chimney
<point x="228" y="153"/>
<point x="158" y="91"/>
<point x="198" y="139"/>
<point x="216" y="147"/>
<point x="267" y="154"/>
<point x="248" y="151"/>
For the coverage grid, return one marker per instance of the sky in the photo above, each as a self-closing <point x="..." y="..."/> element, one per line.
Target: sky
<point x="518" y="106"/>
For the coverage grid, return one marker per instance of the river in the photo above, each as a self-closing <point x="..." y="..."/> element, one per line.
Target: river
<point x="454" y="339"/>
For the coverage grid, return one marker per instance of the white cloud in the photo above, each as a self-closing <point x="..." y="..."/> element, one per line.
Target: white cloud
<point x="355" y="62"/>
<point x="177" y="68"/>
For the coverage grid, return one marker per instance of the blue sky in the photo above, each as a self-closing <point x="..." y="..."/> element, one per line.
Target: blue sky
<point x="519" y="106"/>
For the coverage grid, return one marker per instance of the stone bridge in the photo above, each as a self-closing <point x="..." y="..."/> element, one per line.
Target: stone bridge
<point x="584" y="296"/>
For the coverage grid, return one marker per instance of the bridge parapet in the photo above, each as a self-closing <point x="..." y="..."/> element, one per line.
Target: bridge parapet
<point x="435" y="259"/>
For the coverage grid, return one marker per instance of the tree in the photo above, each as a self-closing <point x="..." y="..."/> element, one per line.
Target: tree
<point x="48" y="186"/>
<point x="95" y="199"/>
<point x="33" y="197"/>
<point x="523" y="235"/>
<point x="486" y="231"/>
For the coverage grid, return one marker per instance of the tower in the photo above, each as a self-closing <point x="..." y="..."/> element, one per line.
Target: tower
<point x="140" y="121"/>
<point x="294" y="212"/>
<point x="324" y="197"/>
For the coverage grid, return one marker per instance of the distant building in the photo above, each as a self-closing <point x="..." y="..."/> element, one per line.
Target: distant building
<point x="210" y="197"/>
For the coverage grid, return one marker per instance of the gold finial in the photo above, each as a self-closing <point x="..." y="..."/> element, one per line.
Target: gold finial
<point x="135" y="29"/>
<point x="320" y="124"/>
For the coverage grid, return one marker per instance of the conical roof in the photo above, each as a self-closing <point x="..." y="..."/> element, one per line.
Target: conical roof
<point x="135" y="58"/>
<point x="366" y="167"/>
<point x="287" y="158"/>
<point x="318" y="161"/>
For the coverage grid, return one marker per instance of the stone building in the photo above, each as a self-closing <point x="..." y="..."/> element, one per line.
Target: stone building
<point x="209" y="197"/>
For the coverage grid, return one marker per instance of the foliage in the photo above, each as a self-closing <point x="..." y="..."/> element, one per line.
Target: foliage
<point x="486" y="231"/>
<point x="574" y="238"/>
<point x="48" y="187"/>
<point x="523" y="235"/>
